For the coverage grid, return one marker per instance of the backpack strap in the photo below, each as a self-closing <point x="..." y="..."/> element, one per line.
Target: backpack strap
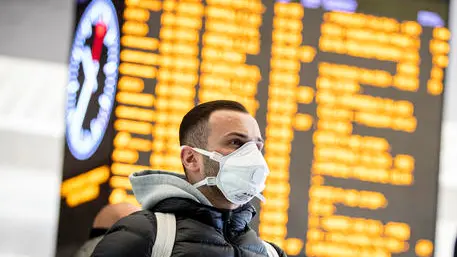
<point x="270" y="249"/>
<point x="165" y="235"/>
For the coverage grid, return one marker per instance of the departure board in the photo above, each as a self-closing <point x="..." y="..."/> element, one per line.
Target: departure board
<point x="348" y="95"/>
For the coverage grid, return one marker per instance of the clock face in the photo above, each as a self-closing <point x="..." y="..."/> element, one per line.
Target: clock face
<point x="93" y="70"/>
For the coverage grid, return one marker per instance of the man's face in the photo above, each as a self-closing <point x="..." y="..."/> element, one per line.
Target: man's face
<point x="228" y="131"/>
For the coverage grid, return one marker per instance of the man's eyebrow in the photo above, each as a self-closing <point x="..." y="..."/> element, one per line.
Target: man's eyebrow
<point x="244" y="136"/>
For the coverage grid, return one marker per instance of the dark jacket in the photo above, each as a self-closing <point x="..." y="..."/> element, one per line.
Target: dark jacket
<point x="201" y="230"/>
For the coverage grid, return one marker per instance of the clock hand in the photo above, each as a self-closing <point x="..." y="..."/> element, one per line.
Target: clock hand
<point x="86" y="91"/>
<point x="96" y="66"/>
<point x="97" y="46"/>
<point x="88" y="65"/>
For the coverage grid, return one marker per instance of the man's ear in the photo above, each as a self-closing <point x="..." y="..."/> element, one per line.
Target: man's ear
<point x="190" y="160"/>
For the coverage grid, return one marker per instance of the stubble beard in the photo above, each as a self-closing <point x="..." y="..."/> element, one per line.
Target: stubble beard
<point x="211" y="170"/>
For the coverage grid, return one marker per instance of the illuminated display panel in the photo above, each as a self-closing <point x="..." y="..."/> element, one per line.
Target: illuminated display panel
<point x="93" y="77"/>
<point x="353" y="124"/>
<point x="349" y="103"/>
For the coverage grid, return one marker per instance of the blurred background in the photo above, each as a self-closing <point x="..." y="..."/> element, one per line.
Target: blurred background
<point x="34" y="51"/>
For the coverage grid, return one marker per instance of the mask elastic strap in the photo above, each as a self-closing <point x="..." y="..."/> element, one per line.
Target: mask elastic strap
<point x="212" y="155"/>
<point x="210" y="181"/>
<point x="261" y="197"/>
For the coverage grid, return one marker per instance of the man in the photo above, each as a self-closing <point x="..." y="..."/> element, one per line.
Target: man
<point x="106" y="217"/>
<point x="210" y="202"/>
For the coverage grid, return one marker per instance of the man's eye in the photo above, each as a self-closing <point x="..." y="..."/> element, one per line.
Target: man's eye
<point x="236" y="142"/>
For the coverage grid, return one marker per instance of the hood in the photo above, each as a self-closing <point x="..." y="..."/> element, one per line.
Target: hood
<point x="152" y="186"/>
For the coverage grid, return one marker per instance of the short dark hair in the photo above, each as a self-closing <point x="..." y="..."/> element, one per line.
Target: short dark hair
<point x="193" y="130"/>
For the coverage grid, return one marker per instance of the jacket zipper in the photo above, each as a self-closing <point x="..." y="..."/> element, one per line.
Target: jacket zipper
<point x="227" y="220"/>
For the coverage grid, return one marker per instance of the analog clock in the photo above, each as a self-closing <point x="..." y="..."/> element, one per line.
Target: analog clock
<point x="93" y="73"/>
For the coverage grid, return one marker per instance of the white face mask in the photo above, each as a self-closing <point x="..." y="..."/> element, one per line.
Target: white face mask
<point x="242" y="174"/>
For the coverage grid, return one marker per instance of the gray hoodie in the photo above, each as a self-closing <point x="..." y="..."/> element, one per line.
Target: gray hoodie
<point x="152" y="186"/>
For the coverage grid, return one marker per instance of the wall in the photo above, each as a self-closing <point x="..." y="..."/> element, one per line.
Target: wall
<point x="35" y="35"/>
